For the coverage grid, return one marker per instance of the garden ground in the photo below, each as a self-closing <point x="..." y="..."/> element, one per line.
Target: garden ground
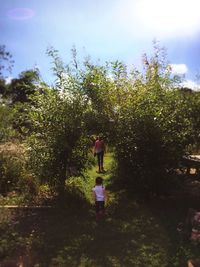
<point x="135" y="232"/>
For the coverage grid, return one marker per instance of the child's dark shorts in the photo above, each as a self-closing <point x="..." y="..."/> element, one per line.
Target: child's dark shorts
<point x="99" y="206"/>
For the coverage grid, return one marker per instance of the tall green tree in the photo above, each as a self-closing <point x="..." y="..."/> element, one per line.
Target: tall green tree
<point x="58" y="140"/>
<point x="6" y="61"/>
<point x="154" y="128"/>
<point x="20" y="89"/>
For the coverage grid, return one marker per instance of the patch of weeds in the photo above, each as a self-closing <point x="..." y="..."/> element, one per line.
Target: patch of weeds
<point x="12" y="198"/>
<point x="10" y="240"/>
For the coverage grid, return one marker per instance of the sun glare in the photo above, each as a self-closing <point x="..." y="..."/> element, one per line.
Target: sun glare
<point x="169" y="16"/>
<point x="166" y="17"/>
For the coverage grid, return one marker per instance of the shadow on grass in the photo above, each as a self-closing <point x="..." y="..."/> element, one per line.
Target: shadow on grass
<point x="170" y="212"/>
<point x="158" y="219"/>
<point x="70" y="236"/>
<point x="133" y="233"/>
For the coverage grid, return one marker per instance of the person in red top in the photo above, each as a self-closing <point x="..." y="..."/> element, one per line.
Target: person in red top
<point x="99" y="150"/>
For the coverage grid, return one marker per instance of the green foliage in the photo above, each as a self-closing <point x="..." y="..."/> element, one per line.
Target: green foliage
<point x="6" y="126"/>
<point x="150" y="123"/>
<point x="97" y="88"/>
<point x="3" y="87"/>
<point x="16" y="100"/>
<point x="20" y="89"/>
<point x="155" y="126"/>
<point x="145" y="116"/>
<point x="5" y="59"/>
<point x="12" y="168"/>
<point x="58" y="140"/>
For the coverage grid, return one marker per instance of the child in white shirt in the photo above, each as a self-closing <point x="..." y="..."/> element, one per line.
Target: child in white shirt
<point x="99" y="196"/>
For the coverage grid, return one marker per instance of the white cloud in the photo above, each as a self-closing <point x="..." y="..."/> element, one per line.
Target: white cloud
<point x="191" y="84"/>
<point x="179" y="69"/>
<point x="8" y="80"/>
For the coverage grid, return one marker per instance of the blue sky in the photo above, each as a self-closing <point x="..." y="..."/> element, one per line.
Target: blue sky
<point x="104" y="29"/>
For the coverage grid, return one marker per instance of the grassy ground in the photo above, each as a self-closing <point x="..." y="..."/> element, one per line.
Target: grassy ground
<point x="134" y="233"/>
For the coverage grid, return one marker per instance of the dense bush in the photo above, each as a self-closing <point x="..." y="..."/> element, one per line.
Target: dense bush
<point x="154" y="129"/>
<point x="14" y="172"/>
<point x="6" y="127"/>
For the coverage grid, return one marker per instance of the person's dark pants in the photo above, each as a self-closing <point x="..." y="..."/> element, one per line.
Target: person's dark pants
<point x="100" y="160"/>
<point x="100" y="209"/>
